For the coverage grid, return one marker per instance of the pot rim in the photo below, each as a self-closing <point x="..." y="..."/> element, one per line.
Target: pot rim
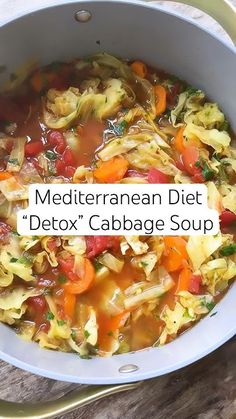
<point x="141" y="3"/>
<point x="139" y="375"/>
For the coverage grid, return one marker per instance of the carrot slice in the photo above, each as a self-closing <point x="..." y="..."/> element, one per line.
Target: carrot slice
<point x="179" y="139"/>
<point x="175" y="253"/>
<point x="5" y="175"/>
<point x="69" y="305"/>
<point x="184" y="279"/>
<point x="160" y="95"/>
<point x="80" y="285"/>
<point x="139" y="68"/>
<point x="112" y="170"/>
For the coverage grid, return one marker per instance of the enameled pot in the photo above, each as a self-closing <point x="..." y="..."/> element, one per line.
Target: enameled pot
<point x="129" y="29"/>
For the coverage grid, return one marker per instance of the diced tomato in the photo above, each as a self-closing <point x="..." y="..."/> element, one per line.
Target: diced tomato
<point x="60" y="167"/>
<point x="195" y="282"/>
<point x="198" y="177"/>
<point x="38" y="304"/>
<point x="227" y="217"/>
<point x="4" y="231"/>
<point x="69" y="171"/>
<point x="156" y="176"/>
<point x="97" y="244"/>
<point x="68" y="157"/>
<point x="190" y="156"/>
<point x="67" y="266"/>
<point x="33" y="148"/>
<point x="52" y="244"/>
<point x="180" y="165"/>
<point x="56" y="139"/>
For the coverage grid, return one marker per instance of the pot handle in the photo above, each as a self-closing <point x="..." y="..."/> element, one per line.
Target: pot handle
<point x="63" y="405"/>
<point x="223" y="11"/>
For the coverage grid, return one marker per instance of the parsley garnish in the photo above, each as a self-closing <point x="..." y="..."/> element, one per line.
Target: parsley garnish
<point x="13" y="260"/>
<point x="210" y="306"/>
<point x="51" y="155"/>
<point x="73" y="334"/>
<point x="120" y="128"/>
<point x="144" y="264"/>
<point x="86" y="334"/>
<point x="14" y="162"/>
<point x="85" y="356"/>
<point x="97" y="265"/>
<point x="49" y="315"/>
<point x="110" y="333"/>
<point x="61" y="322"/>
<point x="62" y="279"/>
<point x="228" y="250"/>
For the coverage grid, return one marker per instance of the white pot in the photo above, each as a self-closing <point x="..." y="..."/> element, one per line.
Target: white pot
<point x="164" y="40"/>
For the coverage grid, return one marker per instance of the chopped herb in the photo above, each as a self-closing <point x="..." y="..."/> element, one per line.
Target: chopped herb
<point x="86" y="334"/>
<point x="228" y="250"/>
<point x="15" y="233"/>
<point x="207" y="172"/>
<point x="49" y="315"/>
<point x="193" y="91"/>
<point x="34" y="237"/>
<point x="61" y="322"/>
<point x="27" y="261"/>
<point x="13" y="260"/>
<point x="73" y="334"/>
<point x="46" y="291"/>
<point x="210" y="306"/>
<point x="85" y="356"/>
<point x="224" y="126"/>
<point x="97" y="265"/>
<point x="119" y="129"/>
<point x="110" y="333"/>
<point x="197" y="163"/>
<point x="144" y="264"/>
<point x="62" y="279"/>
<point x="51" y="155"/>
<point x="15" y="162"/>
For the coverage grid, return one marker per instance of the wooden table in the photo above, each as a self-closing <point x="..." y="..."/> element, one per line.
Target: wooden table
<point x="204" y="390"/>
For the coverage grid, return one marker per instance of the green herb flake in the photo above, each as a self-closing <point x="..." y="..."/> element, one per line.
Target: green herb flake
<point x="192" y="91"/>
<point x="27" y="261"/>
<point x="13" y="260"/>
<point x="62" y="279"/>
<point x="228" y="250"/>
<point x="120" y="128"/>
<point x="14" y="162"/>
<point x="207" y="172"/>
<point x="15" y="233"/>
<point x="51" y="155"/>
<point x="97" y="265"/>
<point x="210" y="306"/>
<point x="85" y="356"/>
<point x="110" y="333"/>
<point x="144" y="264"/>
<point x="73" y="334"/>
<point x="86" y="334"/>
<point x="49" y="315"/>
<point x="61" y="322"/>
